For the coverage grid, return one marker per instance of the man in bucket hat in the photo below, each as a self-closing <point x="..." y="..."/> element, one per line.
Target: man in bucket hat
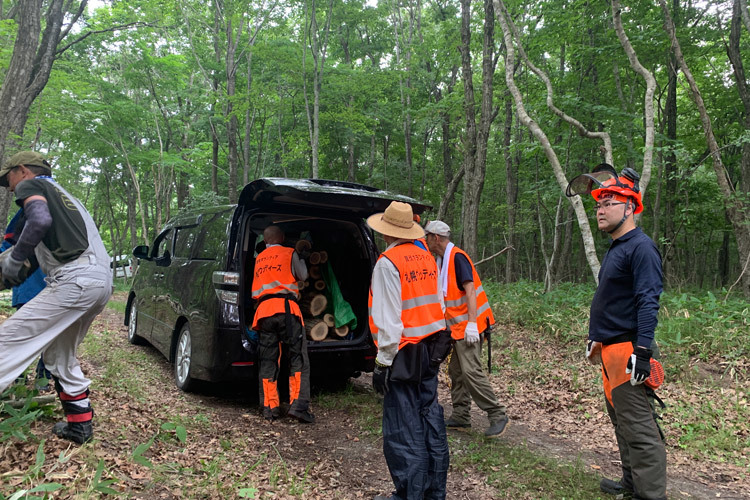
<point x="468" y="314"/>
<point x="621" y="330"/>
<point x="407" y="324"/>
<point x="63" y="238"/>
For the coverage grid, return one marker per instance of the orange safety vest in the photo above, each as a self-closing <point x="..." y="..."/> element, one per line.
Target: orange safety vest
<point x="421" y="313"/>
<point x="273" y="276"/>
<point x="457" y="305"/>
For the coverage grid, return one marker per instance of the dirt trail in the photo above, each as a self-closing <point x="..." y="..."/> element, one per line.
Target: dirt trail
<point x="333" y="458"/>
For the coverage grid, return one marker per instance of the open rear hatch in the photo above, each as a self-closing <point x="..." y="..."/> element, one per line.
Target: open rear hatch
<point x="324" y="220"/>
<point x="357" y="199"/>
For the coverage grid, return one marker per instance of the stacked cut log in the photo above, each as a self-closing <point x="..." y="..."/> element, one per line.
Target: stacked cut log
<point x="313" y="302"/>
<point x="316" y="329"/>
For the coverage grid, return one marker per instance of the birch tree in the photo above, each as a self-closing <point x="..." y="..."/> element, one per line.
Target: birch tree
<point x="539" y="135"/>
<point x="733" y="204"/>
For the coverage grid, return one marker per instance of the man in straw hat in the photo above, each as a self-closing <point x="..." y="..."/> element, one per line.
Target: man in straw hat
<point x="408" y="326"/>
<point x="62" y="236"/>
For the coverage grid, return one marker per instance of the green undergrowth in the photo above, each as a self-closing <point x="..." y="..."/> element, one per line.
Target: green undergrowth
<point x="519" y="472"/>
<point x="704" y="341"/>
<point x="701" y="325"/>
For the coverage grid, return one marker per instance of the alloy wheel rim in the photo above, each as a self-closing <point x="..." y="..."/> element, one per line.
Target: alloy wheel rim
<point x="131" y="323"/>
<point x="183" y="356"/>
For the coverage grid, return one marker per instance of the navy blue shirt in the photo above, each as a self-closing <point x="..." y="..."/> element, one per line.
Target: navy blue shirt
<point x="626" y="301"/>
<point x="463" y="270"/>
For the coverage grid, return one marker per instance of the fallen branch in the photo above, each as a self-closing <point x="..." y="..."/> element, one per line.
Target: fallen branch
<point x="509" y="247"/>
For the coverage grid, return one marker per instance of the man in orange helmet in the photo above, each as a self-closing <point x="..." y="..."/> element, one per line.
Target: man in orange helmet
<point x="621" y="330"/>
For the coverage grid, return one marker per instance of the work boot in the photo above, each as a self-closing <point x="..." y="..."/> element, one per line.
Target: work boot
<point x="615" y="488"/>
<point x="271" y="414"/>
<point x="454" y="423"/>
<point x="303" y="416"/>
<point x="78" y="432"/>
<point x="497" y="428"/>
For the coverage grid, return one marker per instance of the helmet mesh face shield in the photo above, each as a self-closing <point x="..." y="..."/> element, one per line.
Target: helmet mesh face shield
<point x="604" y="179"/>
<point x="585" y="183"/>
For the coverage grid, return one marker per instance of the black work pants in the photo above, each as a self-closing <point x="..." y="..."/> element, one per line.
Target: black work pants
<point x="644" y="458"/>
<point x="414" y="439"/>
<point x="272" y="333"/>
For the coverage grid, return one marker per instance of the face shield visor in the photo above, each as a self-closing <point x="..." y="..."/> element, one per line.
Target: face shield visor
<point x="603" y="175"/>
<point x="603" y="179"/>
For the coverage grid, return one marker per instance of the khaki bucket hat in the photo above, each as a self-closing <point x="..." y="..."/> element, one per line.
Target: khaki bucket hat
<point x="397" y="221"/>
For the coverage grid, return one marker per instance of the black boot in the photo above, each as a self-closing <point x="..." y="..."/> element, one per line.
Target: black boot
<point x="271" y="414"/>
<point x="78" y="432"/>
<point x="300" y="410"/>
<point x="303" y="416"/>
<point x="615" y="488"/>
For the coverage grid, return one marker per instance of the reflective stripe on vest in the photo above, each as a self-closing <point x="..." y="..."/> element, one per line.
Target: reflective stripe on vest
<point x="457" y="304"/>
<point x="421" y="313"/>
<point x="273" y="275"/>
<point x="273" y="272"/>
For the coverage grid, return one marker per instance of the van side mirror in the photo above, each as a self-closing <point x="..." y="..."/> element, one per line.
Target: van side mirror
<point x="141" y="252"/>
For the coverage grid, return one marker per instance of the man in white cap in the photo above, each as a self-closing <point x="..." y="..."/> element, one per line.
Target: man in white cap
<point x="408" y="326"/>
<point x="467" y="312"/>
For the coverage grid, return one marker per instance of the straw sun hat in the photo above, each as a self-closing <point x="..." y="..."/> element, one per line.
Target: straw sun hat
<point x="397" y="221"/>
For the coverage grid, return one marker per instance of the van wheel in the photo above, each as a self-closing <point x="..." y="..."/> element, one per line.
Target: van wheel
<point x="133" y="336"/>
<point x="183" y="359"/>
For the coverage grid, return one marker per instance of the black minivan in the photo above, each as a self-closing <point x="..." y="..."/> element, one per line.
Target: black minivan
<point x="191" y="292"/>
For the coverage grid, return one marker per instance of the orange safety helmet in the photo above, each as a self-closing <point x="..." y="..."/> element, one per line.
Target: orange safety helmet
<point x="604" y="179"/>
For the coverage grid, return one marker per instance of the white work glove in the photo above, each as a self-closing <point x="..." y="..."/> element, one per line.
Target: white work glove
<point x="471" y="333"/>
<point x="11" y="269"/>
<point x="594" y="352"/>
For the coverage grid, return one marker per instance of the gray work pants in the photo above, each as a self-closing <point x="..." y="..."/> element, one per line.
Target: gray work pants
<point x="54" y="324"/>
<point x="469" y="381"/>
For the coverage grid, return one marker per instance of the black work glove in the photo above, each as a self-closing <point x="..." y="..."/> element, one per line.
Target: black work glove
<point x="641" y="360"/>
<point x="380" y="376"/>
<point x="11" y="269"/>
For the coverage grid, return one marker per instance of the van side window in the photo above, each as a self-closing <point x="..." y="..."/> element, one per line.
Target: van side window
<point x="163" y="244"/>
<point x="183" y="242"/>
<point x="211" y="239"/>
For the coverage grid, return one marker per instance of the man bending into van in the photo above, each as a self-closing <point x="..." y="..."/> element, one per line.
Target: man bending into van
<point x="278" y="319"/>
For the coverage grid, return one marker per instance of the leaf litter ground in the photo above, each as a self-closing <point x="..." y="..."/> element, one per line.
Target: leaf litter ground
<point x="555" y="406"/>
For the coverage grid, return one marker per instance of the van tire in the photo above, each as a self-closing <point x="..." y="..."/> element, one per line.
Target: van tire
<point x="133" y="336"/>
<point x="183" y="357"/>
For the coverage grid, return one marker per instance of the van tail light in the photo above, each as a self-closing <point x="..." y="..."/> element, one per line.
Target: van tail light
<point x="226" y="278"/>
<point x="228" y="296"/>
<point x="226" y="286"/>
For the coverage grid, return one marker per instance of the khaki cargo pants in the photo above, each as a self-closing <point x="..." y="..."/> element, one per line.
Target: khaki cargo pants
<point x="469" y="381"/>
<point x="54" y="323"/>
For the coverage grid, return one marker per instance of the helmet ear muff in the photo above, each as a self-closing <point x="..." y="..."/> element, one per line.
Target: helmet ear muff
<point x="633" y="177"/>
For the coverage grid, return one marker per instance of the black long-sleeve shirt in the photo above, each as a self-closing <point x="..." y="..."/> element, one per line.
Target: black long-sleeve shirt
<point x="626" y="302"/>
